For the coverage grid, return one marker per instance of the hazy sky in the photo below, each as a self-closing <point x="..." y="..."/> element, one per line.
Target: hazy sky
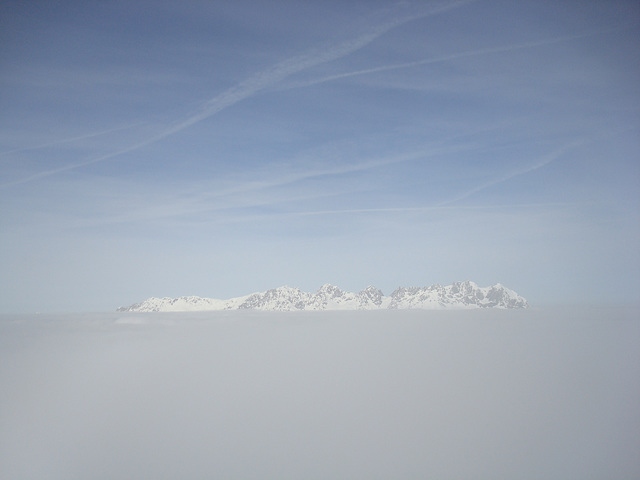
<point x="221" y="148"/>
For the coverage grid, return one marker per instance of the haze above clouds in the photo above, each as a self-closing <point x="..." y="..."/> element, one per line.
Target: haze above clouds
<point x="222" y="148"/>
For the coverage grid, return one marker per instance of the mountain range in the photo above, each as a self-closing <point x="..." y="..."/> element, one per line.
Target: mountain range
<point x="459" y="295"/>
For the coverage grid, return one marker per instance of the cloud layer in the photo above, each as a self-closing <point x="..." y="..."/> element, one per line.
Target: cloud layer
<point x="526" y="394"/>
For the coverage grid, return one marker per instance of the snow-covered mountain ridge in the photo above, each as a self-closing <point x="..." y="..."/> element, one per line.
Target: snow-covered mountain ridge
<point x="459" y="295"/>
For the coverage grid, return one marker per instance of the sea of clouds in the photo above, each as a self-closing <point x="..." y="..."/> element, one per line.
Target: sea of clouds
<point x="482" y="394"/>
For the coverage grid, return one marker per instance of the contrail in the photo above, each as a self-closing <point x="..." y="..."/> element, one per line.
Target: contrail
<point x="48" y="173"/>
<point x="444" y="58"/>
<point x="73" y="139"/>
<point x="545" y="160"/>
<point x="262" y="80"/>
<point x="419" y="209"/>
<point x="299" y="63"/>
<point x="424" y="152"/>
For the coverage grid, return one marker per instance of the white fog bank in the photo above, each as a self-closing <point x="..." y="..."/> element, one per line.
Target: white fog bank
<point x="531" y="394"/>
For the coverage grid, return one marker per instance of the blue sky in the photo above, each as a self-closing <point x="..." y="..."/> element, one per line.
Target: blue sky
<point x="221" y="148"/>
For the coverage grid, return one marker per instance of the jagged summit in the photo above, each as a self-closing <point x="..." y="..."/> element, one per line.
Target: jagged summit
<point x="462" y="295"/>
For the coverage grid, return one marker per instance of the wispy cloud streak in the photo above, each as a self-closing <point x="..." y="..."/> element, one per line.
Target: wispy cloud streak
<point x="263" y="193"/>
<point x="445" y="58"/>
<point x="545" y="160"/>
<point x="342" y="169"/>
<point x="264" y="79"/>
<point x="428" y="208"/>
<point x="73" y="139"/>
<point x="302" y="62"/>
<point x="48" y="173"/>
